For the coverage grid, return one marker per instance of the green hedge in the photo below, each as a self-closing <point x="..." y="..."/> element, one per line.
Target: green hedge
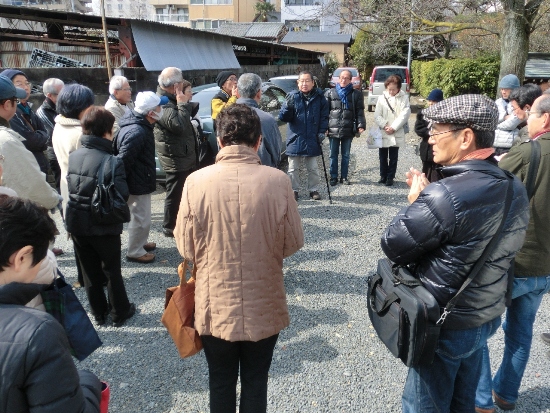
<point x="457" y="76"/>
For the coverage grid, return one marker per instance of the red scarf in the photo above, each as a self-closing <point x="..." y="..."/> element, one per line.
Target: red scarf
<point x="479" y="154"/>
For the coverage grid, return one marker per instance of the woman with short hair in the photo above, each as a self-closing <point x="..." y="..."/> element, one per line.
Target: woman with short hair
<point x="391" y="115"/>
<point x="97" y="246"/>
<point x="237" y="229"/>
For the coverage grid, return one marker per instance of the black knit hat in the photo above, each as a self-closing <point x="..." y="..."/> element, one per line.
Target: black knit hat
<point x="223" y="76"/>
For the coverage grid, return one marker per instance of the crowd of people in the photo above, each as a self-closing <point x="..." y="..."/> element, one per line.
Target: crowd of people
<point x="237" y="229"/>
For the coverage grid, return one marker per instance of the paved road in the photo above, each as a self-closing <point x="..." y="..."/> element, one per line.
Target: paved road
<point x="329" y="359"/>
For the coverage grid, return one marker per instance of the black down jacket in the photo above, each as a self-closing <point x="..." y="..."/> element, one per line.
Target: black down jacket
<point x="444" y="232"/>
<point x="82" y="179"/>
<point x="36" y="136"/>
<point x="344" y="123"/>
<point x="38" y="373"/>
<point x="135" y="145"/>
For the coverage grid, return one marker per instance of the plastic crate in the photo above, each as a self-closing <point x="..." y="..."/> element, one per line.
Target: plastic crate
<point x="42" y="58"/>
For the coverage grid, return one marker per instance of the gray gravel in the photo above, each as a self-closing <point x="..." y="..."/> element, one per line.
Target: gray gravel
<point x="329" y="359"/>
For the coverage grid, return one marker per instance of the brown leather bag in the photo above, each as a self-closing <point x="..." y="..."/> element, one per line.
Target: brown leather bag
<point x="179" y="314"/>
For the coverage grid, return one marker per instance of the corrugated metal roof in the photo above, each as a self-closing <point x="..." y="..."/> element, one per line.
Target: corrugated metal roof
<point x="316" y="37"/>
<point x="234" y="29"/>
<point x="265" y="30"/>
<point x="537" y="66"/>
<point x="161" y="46"/>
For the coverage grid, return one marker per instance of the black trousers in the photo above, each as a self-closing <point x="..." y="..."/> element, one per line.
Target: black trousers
<point x="224" y="358"/>
<point x="99" y="258"/>
<point x="388" y="161"/>
<point x="174" y="189"/>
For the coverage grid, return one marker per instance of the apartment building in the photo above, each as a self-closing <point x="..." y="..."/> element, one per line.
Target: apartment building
<point x="311" y="15"/>
<point x="130" y="9"/>
<point x="80" y="6"/>
<point x="205" y="14"/>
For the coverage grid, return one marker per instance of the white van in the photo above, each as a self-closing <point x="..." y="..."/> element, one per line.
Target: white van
<point x="379" y="76"/>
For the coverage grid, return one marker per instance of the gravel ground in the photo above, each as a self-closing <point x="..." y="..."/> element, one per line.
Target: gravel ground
<point x="329" y="359"/>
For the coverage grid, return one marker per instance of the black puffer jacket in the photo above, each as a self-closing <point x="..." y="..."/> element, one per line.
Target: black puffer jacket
<point x="38" y="373"/>
<point x="82" y="179"/>
<point x="36" y="136"/>
<point x="46" y="112"/>
<point x="344" y="123"/>
<point x="421" y="129"/>
<point x="175" y="137"/>
<point x="135" y="145"/>
<point x="445" y="231"/>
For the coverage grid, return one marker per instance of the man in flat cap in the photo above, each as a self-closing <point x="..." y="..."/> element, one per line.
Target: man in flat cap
<point x="441" y="235"/>
<point x="532" y="267"/>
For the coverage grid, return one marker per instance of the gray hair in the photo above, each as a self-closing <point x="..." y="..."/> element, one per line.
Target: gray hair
<point x="50" y="85"/>
<point x="543" y="103"/>
<point x="117" y="82"/>
<point x="170" y="76"/>
<point x="249" y="84"/>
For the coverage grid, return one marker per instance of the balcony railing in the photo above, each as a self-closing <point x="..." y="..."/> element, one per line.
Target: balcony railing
<point x="182" y="18"/>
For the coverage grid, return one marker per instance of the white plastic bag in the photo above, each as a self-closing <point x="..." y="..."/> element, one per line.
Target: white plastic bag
<point x="374" y="138"/>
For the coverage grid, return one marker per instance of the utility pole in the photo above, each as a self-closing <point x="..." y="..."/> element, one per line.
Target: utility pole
<point x="105" y="39"/>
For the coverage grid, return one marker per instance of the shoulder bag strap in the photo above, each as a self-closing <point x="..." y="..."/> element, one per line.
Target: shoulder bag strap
<point x="100" y="177"/>
<point x="488" y="250"/>
<point x="388" y="102"/>
<point x="113" y="165"/>
<point x="533" y="168"/>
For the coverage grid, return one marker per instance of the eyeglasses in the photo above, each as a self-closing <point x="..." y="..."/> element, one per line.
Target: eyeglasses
<point x="22" y="84"/>
<point x="232" y="78"/>
<point x="528" y="112"/>
<point x="431" y="133"/>
<point x="305" y="81"/>
<point x="127" y="89"/>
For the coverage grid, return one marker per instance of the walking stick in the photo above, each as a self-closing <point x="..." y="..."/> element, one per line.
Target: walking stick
<point x="325" y="169"/>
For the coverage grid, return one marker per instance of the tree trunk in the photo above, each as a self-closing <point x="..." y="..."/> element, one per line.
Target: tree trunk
<point x="514" y="43"/>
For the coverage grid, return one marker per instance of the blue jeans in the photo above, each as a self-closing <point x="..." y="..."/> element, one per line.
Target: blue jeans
<point x="335" y="144"/>
<point x="449" y="383"/>
<point x="518" y="334"/>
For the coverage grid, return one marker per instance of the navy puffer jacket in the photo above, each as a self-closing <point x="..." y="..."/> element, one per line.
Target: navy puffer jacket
<point x="444" y="232"/>
<point x="135" y="145"/>
<point x="344" y="123"/>
<point x="307" y="118"/>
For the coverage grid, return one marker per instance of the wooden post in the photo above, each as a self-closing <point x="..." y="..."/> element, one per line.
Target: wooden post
<point x="105" y="39"/>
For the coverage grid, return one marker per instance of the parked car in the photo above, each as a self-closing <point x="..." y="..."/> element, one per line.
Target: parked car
<point x="290" y="82"/>
<point x="379" y="76"/>
<point x="356" y="79"/>
<point x="272" y="99"/>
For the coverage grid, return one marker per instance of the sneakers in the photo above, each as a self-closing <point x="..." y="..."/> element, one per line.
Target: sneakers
<point x="503" y="404"/>
<point x="296" y="196"/>
<point x="129" y="314"/>
<point x="150" y="246"/>
<point x="345" y="181"/>
<point x="333" y="181"/>
<point x="168" y="232"/>
<point x="144" y="259"/>
<point x="545" y="337"/>
<point x="314" y="195"/>
<point x="389" y="182"/>
<point x="382" y="180"/>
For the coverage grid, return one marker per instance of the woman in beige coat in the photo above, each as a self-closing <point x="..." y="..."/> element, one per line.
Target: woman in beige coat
<point x="391" y="115"/>
<point x="237" y="221"/>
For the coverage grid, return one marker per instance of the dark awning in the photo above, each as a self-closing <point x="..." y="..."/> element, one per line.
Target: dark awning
<point x="163" y="45"/>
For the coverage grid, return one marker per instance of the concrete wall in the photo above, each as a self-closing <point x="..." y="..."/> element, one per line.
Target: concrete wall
<point x="140" y="79"/>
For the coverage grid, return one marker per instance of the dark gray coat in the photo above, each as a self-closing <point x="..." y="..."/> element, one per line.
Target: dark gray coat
<point x="38" y="373"/>
<point x="444" y="232"/>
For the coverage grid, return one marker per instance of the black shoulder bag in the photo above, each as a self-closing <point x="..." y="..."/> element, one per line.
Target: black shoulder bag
<point x="405" y="315"/>
<point x="108" y="205"/>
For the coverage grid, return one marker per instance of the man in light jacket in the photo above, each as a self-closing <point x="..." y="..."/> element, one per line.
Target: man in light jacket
<point x="120" y="99"/>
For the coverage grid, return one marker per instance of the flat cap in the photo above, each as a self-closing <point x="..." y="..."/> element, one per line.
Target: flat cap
<point x="474" y="111"/>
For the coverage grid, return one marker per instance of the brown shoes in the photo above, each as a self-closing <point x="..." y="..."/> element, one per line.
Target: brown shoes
<point x="144" y="259"/>
<point x="57" y="251"/>
<point x="503" y="404"/>
<point x="314" y="195"/>
<point x="150" y="246"/>
<point x="480" y="410"/>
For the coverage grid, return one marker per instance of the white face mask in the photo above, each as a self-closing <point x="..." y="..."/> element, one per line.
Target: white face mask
<point x="156" y="115"/>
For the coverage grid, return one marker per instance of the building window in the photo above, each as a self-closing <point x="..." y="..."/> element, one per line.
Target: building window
<point x="207" y="24"/>
<point x="183" y="15"/>
<point x="109" y="8"/>
<point x="120" y="7"/>
<point x="303" y="25"/>
<point x="212" y="2"/>
<point x="303" y="2"/>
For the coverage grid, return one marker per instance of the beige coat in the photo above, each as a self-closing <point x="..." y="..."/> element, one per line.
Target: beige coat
<point x="237" y="221"/>
<point x="384" y="116"/>
<point x="118" y="110"/>
<point x="65" y="140"/>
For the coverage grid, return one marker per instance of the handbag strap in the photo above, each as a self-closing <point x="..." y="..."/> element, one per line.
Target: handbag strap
<point x="534" y="163"/>
<point x="184" y="268"/>
<point x="488" y="250"/>
<point x="100" y="176"/>
<point x="388" y="102"/>
<point x="113" y="165"/>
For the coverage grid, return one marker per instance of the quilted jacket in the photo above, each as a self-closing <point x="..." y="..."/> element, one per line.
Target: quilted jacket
<point x="344" y="123"/>
<point x="306" y="118"/>
<point x="38" y="373"/>
<point x="444" y="232"/>
<point x="237" y="221"/>
<point x="36" y="136"/>
<point x="135" y="145"/>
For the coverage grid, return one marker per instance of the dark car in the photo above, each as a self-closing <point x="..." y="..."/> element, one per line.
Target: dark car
<point x="272" y="99"/>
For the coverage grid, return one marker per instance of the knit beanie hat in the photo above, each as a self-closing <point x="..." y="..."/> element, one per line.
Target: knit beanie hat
<point x="223" y="76"/>
<point x="435" y="95"/>
<point x="509" y="82"/>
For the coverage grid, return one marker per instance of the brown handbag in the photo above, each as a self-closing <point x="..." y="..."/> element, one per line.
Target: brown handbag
<point x="179" y="314"/>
